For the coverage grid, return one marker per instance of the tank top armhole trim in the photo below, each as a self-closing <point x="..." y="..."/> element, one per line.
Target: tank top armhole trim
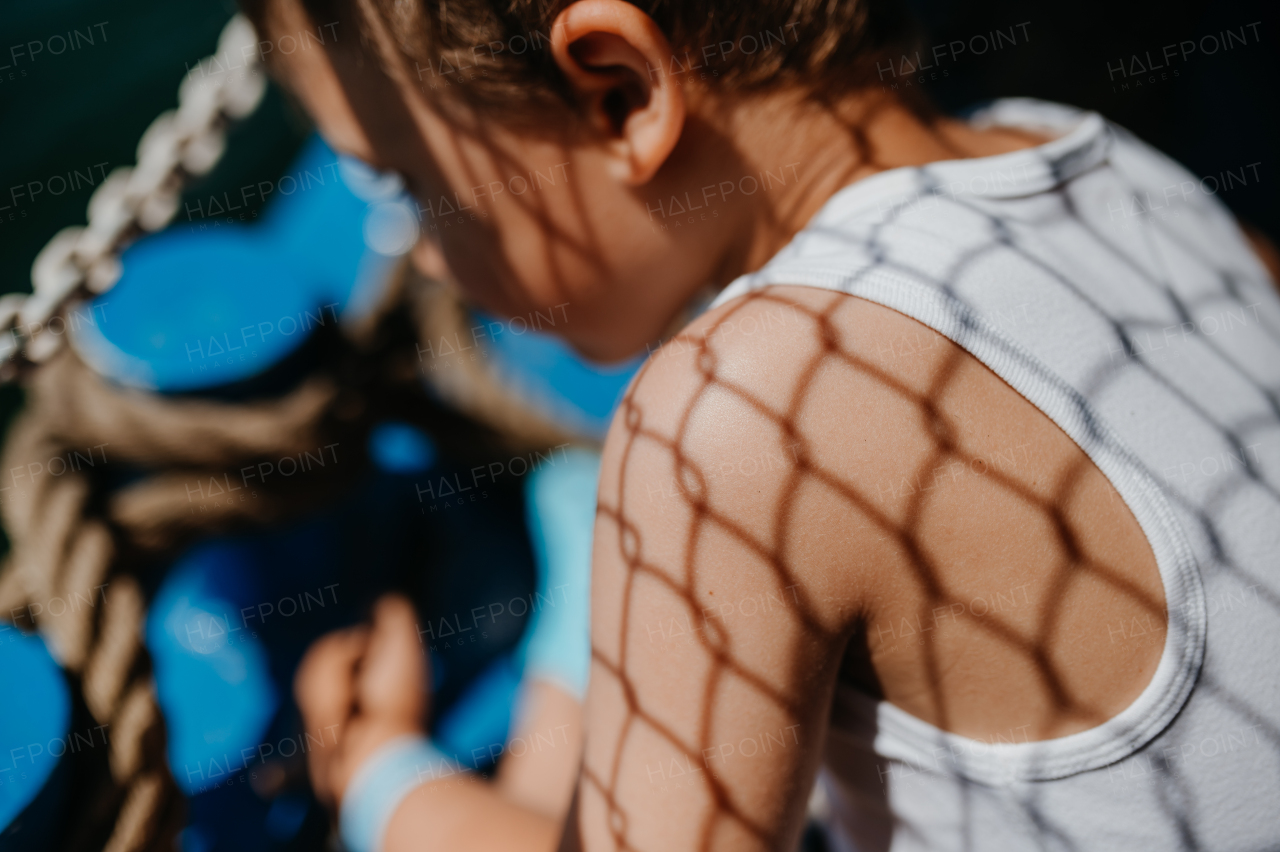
<point x="902" y="736"/>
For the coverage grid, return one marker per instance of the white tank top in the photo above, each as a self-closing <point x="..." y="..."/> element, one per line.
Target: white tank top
<point x="1110" y="288"/>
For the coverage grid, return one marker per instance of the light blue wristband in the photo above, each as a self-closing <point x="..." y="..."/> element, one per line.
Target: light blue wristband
<point x="380" y="785"/>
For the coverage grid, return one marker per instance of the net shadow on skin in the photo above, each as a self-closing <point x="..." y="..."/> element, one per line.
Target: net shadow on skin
<point x="928" y="572"/>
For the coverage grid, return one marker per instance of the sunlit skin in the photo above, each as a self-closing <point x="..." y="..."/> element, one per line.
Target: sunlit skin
<point x="854" y="557"/>
<point x="594" y="241"/>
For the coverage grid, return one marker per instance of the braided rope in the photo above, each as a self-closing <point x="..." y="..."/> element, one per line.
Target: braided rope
<point x="65" y="549"/>
<point x="59" y="545"/>
<point x="81" y="262"/>
<point x="70" y="535"/>
<point x="74" y="535"/>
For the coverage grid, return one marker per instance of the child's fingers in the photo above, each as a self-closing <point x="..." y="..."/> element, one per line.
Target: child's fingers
<point x="324" y="686"/>
<point x="392" y="673"/>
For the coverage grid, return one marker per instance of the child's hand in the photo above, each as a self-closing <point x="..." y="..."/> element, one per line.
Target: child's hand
<point x="365" y="685"/>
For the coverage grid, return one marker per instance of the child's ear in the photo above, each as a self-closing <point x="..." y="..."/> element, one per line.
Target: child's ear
<point x="615" y="58"/>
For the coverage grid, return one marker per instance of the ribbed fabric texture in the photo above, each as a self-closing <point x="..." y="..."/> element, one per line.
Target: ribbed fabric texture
<point x="1112" y="289"/>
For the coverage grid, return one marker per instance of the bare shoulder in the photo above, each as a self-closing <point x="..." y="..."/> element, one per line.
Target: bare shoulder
<point x="758" y="427"/>
<point x="720" y="610"/>
<point x="811" y="441"/>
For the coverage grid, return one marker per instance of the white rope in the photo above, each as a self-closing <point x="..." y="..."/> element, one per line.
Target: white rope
<point x="80" y="262"/>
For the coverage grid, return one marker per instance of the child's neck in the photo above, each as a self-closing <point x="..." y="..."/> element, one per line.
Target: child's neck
<point x="812" y="150"/>
<point x="863" y="135"/>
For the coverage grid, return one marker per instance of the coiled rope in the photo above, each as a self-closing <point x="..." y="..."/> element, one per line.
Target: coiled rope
<point x="77" y="532"/>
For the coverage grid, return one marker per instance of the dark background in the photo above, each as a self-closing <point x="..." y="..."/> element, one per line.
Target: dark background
<point x="90" y="106"/>
<point x="77" y="109"/>
<point x="1219" y="113"/>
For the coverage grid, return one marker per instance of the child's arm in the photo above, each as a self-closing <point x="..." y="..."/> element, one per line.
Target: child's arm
<point x="541" y="762"/>
<point x="543" y="754"/>
<point x="368" y="686"/>
<point x="724" y="590"/>
<point x="723" y="596"/>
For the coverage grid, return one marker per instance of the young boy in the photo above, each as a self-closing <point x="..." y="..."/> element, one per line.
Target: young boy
<point x="965" y="489"/>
